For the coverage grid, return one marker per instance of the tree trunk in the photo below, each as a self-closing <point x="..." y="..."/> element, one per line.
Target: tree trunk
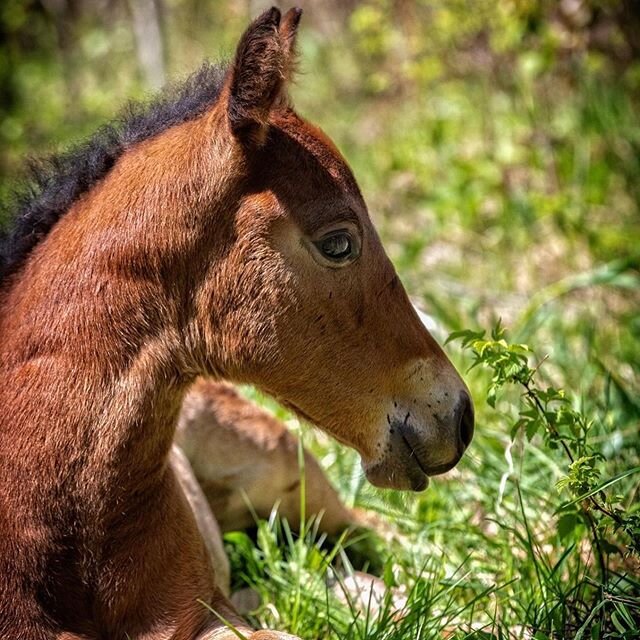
<point x="149" y="45"/>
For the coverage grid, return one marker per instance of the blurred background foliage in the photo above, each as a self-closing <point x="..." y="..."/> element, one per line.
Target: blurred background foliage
<point x="498" y="147"/>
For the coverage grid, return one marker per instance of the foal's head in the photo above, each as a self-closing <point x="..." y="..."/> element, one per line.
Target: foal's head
<point x="301" y="298"/>
<point x="232" y="233"/>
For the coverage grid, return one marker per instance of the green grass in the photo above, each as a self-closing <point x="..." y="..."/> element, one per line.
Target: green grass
<point x="473" y="556"/>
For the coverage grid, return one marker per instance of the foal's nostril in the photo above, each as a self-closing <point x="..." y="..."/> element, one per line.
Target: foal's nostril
<point x="465" y="412"/>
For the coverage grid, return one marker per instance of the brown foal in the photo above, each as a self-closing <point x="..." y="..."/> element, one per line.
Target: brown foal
<point x="235" y="244"/>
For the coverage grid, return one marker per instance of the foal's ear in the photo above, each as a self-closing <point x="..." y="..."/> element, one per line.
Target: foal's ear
<point x="263" y="64"/>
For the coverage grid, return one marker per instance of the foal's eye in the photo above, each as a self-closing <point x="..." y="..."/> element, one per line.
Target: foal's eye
<point x="336" y="246"/>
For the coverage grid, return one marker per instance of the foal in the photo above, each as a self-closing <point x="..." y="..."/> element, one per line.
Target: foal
<point x="220" y="235"/>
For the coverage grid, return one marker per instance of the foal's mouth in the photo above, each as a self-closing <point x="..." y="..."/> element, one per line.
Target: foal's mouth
<point x="406" y="461"/>
<point x="417" y="471"/>
<point x="427" y="470"/>
<point x="408" y="455"/>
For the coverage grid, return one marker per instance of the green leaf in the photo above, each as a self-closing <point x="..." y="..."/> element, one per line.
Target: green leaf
<point x="533" y="427"/>
<point x="567" y="525"/>
<point x="601" y="487"/>
<point x="466" y="334"/>
<point x="491" y="396"/>
<point x="388" y="576"/>
<point x="616" y="622"/>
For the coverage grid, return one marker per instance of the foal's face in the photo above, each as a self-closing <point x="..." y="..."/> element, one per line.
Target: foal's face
<point x="311" y="309"/>
<point x="330" y="330"/>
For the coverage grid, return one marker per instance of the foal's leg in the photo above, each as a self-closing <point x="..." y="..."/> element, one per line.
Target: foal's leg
<point x="205" y="519"/>
<point x="218" y="630"/>
<point x="235" y="446"/>
<point x="228" y="634"/>
<point x="196" y="607"/>
<point x="237" y="449"/>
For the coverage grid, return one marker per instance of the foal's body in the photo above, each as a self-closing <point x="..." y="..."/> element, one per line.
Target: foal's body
<point x="232" y="244"/>
<point x="104" y="491"/>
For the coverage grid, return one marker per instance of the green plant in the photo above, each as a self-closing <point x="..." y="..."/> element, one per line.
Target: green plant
<point x="549" y="413"/>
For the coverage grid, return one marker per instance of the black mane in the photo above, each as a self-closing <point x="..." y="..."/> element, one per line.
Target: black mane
<point x="55" y="183"/>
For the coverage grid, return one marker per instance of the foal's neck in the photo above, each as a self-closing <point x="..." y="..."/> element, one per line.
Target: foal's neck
<point x="92" y="356"/>
<point x="93" y="382"/>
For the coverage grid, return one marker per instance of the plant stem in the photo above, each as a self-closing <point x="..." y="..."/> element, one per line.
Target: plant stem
<point x="534" y="398"/>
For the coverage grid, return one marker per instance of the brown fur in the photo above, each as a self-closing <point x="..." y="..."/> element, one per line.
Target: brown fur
<point x="191" y="257"/>
<point x="241" y="453"/>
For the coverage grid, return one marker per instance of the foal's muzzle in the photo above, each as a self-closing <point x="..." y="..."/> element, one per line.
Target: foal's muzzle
<point x="417" y="449"/>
